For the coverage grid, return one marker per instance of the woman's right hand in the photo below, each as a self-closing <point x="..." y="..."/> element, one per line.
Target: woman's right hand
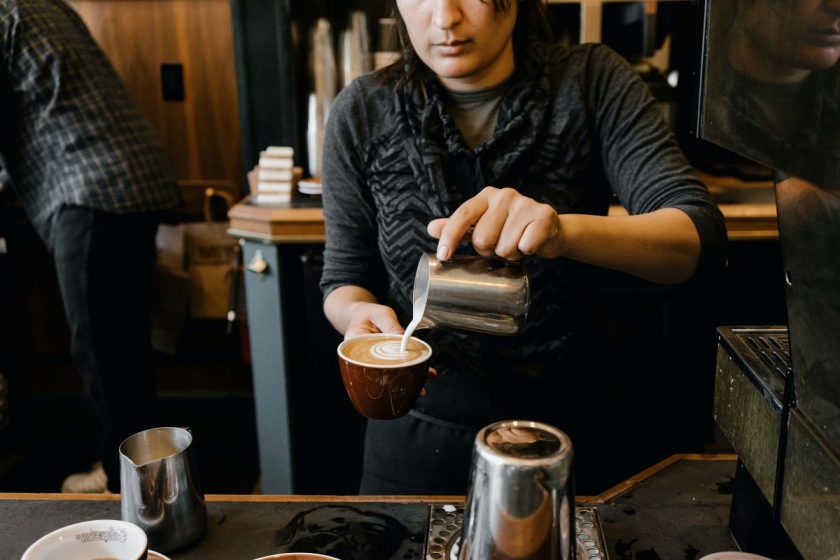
<point x="367" y="317"/>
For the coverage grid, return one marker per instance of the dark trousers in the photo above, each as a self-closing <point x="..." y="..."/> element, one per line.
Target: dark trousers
<point x="426" y="453"/>
<point x="104" y="263"/>
<point x="424" y="456"/>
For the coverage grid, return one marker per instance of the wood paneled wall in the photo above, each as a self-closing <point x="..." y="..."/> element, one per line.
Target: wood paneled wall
<point x="201" y="133"/>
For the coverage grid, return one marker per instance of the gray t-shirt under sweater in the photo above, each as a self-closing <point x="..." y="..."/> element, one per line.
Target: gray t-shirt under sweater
<point x="476" y="112"/>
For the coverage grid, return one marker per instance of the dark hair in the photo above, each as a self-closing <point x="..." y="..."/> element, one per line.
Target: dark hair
<point x="409" y="70"/>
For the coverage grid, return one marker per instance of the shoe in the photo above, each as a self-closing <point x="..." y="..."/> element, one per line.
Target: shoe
<point x="95" y="481"/>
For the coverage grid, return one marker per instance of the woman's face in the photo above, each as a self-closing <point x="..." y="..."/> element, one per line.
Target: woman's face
<point x="466" y="43"/>
<point x="801" y="34"/>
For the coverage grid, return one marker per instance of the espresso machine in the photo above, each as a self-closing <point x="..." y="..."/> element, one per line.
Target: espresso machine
<point x="777" y="388"/>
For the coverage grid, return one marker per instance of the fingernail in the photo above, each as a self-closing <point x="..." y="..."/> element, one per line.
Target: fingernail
<point x="442" y="252"/>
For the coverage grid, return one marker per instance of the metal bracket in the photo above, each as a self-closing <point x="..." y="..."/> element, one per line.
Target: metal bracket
<point x="258" y="264"/>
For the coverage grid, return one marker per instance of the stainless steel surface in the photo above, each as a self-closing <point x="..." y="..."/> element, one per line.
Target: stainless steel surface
<point x="810" y="238"/>
<point x="811" y="496"/>
<point x="763" y="353"/>
<point x="477" y="294"/>
<point x="809" y="226"/>
<point x="748" y="418"/>
<point x="159" y="492"/>
<point x="446" y="521"/>
<point x="796" y="133"/>
<point x="521" y="501"/>
<point x="807" y="476"/>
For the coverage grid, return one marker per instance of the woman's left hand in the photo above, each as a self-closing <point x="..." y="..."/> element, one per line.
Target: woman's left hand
<point x="500" y="222"/>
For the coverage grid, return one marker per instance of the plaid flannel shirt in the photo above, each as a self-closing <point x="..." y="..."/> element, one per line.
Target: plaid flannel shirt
<point x="70" y="133"/>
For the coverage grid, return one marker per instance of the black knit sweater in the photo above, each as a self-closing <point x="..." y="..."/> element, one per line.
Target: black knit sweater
<point x="577" y="127"/>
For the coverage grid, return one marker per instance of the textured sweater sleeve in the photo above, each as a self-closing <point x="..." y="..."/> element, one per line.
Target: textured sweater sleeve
<point x="351" y="254"/>
<point x="641" y="159"/>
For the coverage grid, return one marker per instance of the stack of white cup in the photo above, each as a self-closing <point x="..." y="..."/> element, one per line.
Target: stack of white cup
<point x="275" y="175"/>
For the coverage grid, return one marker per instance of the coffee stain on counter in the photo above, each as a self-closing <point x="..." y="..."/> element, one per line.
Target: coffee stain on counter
<point x="346" y="532"/>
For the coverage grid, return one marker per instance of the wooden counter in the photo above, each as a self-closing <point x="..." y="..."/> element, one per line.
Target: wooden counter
<point x="302" y="221"/>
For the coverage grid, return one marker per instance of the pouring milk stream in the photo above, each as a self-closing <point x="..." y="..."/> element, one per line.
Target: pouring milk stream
<point x="419" y="306"/>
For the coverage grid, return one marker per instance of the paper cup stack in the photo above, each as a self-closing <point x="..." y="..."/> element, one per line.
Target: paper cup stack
<point x="275" y="175"/>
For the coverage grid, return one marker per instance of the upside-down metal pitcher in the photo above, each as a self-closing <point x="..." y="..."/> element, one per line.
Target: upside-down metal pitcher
<point x="521" y="500"/>
<point x="159" y="489"/>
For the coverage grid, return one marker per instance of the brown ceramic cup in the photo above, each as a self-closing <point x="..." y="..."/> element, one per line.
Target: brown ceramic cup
<point x="383" y="387"/>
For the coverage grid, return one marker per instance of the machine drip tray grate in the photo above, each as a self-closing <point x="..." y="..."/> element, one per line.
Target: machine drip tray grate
<point x="446" y="521"/>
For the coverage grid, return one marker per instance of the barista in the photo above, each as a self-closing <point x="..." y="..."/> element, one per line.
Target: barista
<point x="484" y="138"/>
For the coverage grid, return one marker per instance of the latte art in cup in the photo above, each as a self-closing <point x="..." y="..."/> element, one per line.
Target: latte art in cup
<point x="383" y="351"/>
<point x="381" y="379"/>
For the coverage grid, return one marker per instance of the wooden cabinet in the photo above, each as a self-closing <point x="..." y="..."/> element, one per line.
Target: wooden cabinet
<point x="201" y="132"/>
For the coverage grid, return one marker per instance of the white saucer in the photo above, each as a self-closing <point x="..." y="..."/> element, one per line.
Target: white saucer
<point x="310" y="186"/>
<point x="152" y="555"/>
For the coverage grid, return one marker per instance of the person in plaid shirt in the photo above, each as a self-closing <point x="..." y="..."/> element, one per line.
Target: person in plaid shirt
<point x="89" y="172"/>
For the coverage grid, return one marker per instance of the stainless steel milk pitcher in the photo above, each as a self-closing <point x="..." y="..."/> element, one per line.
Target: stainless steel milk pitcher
<point x="521" y="501"/>
<point x="485" y="295"/>
<point x="159" y="491"/>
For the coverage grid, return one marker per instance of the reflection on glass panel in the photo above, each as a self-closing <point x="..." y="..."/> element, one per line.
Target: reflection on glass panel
<point x="772" y="84"/>
<point x="809" y="223"/>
